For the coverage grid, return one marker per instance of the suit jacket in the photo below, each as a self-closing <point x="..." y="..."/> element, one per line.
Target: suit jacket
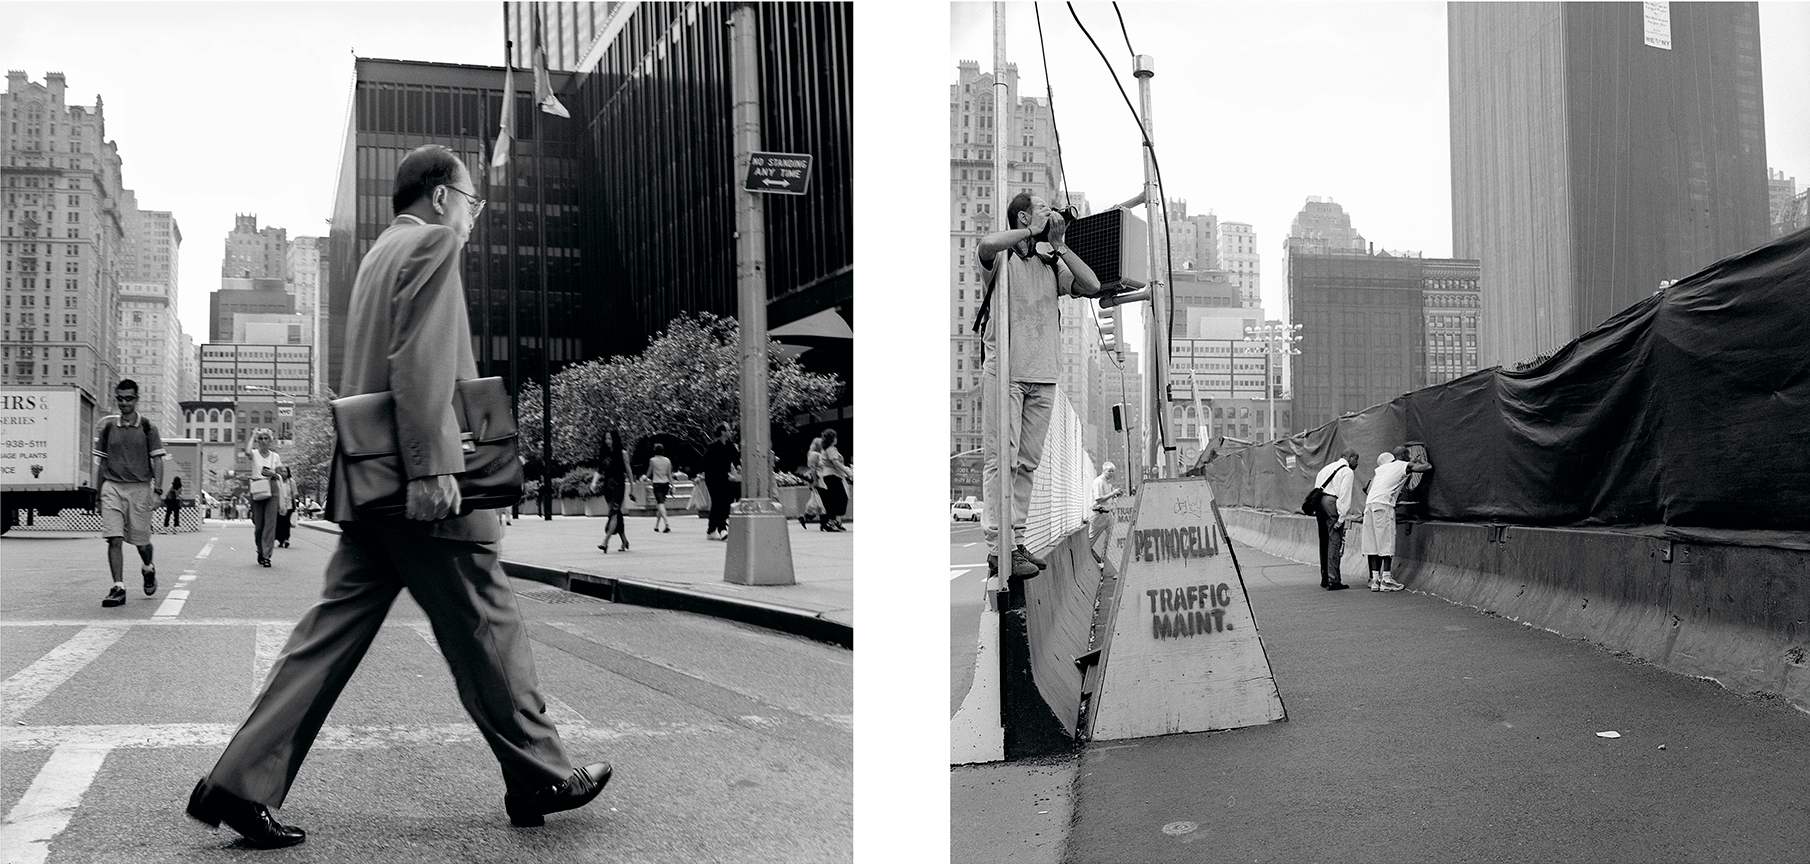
<point x="407" y="332"/>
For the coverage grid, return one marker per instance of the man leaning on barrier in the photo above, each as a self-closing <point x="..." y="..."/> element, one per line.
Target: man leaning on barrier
<point x="1040" y="267"/>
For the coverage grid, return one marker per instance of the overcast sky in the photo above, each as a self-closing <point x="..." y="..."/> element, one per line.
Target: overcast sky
<point x="224" y="108"/>
<point x="1261" y="104"/>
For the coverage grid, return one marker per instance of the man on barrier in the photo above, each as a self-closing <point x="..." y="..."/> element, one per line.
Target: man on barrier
<point x="1039" y="268"/>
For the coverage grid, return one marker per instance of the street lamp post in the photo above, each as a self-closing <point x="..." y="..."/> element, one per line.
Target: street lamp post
<point x="1277" y="339"/>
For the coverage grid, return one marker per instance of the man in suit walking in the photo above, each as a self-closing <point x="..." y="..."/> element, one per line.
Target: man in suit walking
<point x="407" y="334"/>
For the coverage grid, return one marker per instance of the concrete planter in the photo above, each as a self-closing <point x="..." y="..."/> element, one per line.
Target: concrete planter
<point x="793" y="499"/>
<point x="571" y="506"/>
<point x="531" y="506"/>
<point x="596" y="505"/>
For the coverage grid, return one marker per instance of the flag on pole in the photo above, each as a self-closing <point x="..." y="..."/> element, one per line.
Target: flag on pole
<point x="504" y="135"/>
<point x="543" y="84"/>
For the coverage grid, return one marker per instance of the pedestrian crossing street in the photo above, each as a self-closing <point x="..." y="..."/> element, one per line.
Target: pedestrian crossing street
<point x="78" y="751"/>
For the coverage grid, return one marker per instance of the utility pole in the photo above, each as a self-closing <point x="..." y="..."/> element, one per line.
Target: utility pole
<point x="546" y="345"/>
<point x="1161" y="459"/>
<point x="760" y="545"/>
<point x="1004" y="455"/>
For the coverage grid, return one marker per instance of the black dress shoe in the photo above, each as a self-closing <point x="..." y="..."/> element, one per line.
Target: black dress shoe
<point x="251" y="819"/>
<point x="1337" y="586"/>
<point x="528" y="810"/>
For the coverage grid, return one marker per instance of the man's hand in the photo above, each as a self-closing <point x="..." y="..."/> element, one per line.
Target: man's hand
<point x="1039" y="220"/>
<point x="1058" y="227"/>
<point x="433" y="498"/>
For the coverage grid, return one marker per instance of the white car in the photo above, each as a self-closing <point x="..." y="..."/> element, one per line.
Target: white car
<point x="965" y="511"/>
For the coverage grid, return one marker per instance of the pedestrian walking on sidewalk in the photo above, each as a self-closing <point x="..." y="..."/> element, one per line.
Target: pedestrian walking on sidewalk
<point x="1335" y="505"/>
<point x="127" y="478"/>
<point x="264" y="482"/>
<point x="172" y="504"/>
<point x="1040" y="269"/>
<point x="721" y="470"/>
<point x="813" y="470"/>
<point x="659" y="475"/>
<point x="836" y="475"/>
<point x="406" y="333"/>
<point x="1392" y="471"/>
<point x="612" y="476"/>
<point x="285" y="504"/>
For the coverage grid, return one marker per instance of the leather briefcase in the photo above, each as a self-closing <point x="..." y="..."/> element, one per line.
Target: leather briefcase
<point x="371" y="459"/>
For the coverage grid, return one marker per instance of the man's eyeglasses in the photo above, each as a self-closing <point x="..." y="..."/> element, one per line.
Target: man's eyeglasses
<point x="125" y="398"/>
<point x="477" y="204"/>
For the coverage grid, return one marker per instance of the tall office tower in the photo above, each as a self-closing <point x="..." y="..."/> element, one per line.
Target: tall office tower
<point x="149" y="333"/>
<point x="1375" y="326"/>
<point x="1193" y="240"/>
<point x="189" y="356"/>
<point x="1781" y="196"/>
<point x="1597" y="150"/>
<point x="1322" y="225"/>
<point x="307" y="282"/>
<point x="63" y="242"/>
<point x="1237" y="255"/>
<point x="973" y="214"/>
<point x="255" y="254"/>
<point x="571" y="31"/>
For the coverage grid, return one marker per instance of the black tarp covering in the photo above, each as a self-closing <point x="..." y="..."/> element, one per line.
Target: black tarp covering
<point x="1689" y="410"/>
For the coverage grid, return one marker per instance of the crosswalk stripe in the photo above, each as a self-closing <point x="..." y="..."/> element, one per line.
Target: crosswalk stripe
<point x="271" y="638"/>
<point x="50" y="802"/>
<point x="163" y="736"/>
<point x="27" y="687"/>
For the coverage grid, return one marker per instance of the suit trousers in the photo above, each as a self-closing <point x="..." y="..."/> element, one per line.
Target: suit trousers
<point x="1332" y="539"/>
<point x="461" y="586"/>
<point x="264" y="525"/>
<point x="1032" y="405"/>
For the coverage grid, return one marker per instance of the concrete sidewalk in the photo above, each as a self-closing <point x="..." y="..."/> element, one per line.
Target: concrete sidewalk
<point x="1419" y="730"/>
<point x="684" y="570"/>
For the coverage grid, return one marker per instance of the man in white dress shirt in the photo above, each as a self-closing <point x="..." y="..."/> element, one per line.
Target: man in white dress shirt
<point x="1336" y="505"/>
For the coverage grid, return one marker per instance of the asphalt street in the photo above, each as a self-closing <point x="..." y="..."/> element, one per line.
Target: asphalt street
<point x="730" y="742"/>
<point x="967" y="593"/>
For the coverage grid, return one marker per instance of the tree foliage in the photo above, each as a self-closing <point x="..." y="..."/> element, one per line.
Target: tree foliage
<point x="685" y="383"/>
<point x="312" y="453"/>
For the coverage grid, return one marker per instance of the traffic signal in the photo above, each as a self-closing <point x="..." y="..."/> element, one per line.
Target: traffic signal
<point x="1109" y="332"/>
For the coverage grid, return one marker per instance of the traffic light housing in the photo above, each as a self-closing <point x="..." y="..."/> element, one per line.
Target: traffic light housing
<point x="1109" y="332"/>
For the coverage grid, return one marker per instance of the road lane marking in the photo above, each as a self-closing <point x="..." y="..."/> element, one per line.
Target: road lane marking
<point x="207" y="549"/>
<point x="172" y="605"/>
<point x="27" y="687"/>
<point x="50" y="802"/>
<point x="165" y="736"/>
<point x="271" y="638"/>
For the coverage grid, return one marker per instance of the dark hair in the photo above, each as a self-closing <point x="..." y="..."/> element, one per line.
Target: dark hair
<point x="829" y="437"/>
<point x="421" y="170"/>
<point x="1349" y="454"/>
<point x="1401" y="452"/>
<point x="126" y="384"/>
<point x="175" y="483"/>
<point x="1020" y="203"/>
<point x="659" y="449"/>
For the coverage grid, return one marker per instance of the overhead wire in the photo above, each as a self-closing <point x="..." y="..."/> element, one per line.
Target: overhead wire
<point x="1049" y="90"/>
<point x="1163" y="203"/>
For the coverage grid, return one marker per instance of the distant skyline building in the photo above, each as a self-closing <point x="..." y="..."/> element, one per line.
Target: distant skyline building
<point x="150" y="342"/>
<point x="1237" y="255"/>
<point x="1597" y="152"/>
<point x="63" y="242"/>
<point x="1193" y="239"/>
<point x="263" y="296"/>
<point x="307" y="281"/>
<point x="254" y="253"/>
<point x="1375" y="326"/>
<point x="231" y="371"/>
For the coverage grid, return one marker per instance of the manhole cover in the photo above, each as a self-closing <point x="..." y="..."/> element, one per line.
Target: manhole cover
<point x="1174" y="829"/>
<point x="554" y="595"/>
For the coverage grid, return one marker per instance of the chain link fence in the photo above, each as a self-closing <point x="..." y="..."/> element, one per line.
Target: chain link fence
<point x="188" y="520"/>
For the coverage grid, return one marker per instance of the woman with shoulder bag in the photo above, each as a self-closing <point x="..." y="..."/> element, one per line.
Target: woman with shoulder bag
<point x="264" y="465"/>
<point x="813" y="463"/>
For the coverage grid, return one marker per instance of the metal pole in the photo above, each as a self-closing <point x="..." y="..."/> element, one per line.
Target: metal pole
<point x="511" y="257"/>
<point x="546" y="347"/>
<point x="760" y="545"/>
<point x="1005" y="455"/>
<point x="1158" y="336"/>
<point x="1269" y="372"/>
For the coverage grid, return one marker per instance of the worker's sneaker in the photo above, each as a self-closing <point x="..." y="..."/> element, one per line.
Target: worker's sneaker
<point x="1021" y="566"/>
<point x="149" y="571"/>
<point x="1374" y="583"/>
<point x="1392" y="585"/>
<point x="1037" y="562"/>
<point x="116" y="596"/>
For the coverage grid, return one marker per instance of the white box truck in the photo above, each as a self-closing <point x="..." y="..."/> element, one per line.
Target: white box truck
<point x="46" y="439"/>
